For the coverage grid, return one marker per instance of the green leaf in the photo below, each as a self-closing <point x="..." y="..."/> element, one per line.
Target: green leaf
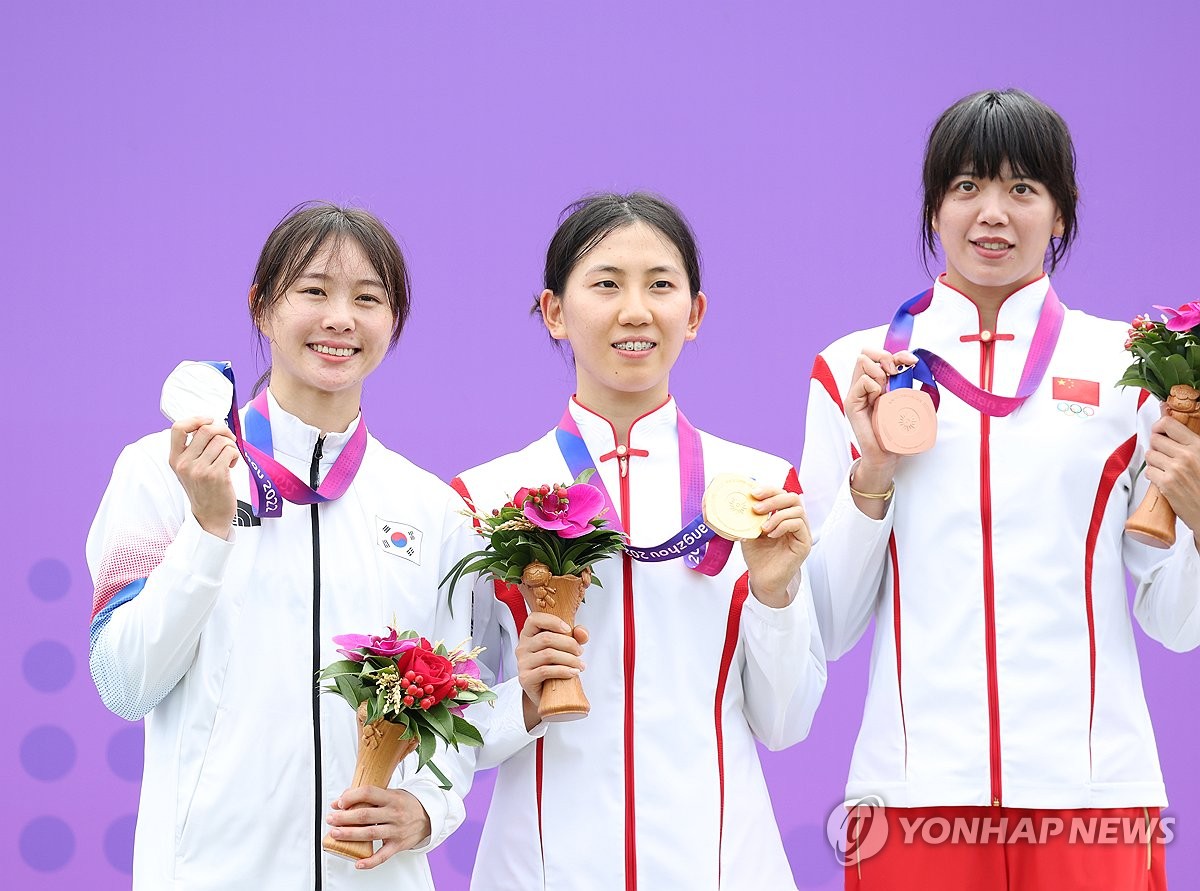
<point x="1154" y="371"/>
<point x="439" y="719"/>
<point x="465" y="731"/>
<point x="443" y="782"/>
<point x="540" y="553"/>
<point x="1132" y="379"/>
<point x="1179" y="368"/>
<point x="349" y="691"/>
<point x="341" y="667"/>
<point x="426" y="746"/>
<point x="1193" y="359"/>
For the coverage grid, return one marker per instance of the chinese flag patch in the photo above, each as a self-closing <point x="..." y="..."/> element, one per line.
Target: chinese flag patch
<point x="1074" y="390"/>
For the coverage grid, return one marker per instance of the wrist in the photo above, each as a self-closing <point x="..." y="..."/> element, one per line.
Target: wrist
<point x="774" y="596"/>
<point x="530" y="711"/>
<point x="872" y="481"/>
<point x="216" y="528"/>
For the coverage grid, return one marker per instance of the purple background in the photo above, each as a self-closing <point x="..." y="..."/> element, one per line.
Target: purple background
<point x="152" y="146"/>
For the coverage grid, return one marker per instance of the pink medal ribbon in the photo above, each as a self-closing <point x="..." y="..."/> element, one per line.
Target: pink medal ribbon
<point x="270" y="482"/>
<point x="702" y="549"/>
<point x="1041" y="348"/>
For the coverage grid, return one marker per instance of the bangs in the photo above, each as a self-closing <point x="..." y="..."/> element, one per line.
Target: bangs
<point x="983" y="132"/>
<point x="981" y="141"/>
<point x="980" y="137"/>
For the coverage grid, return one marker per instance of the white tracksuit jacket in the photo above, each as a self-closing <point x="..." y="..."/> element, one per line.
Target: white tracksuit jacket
<point x="660" y="786"/>
<point x="1003" y="667"/>
<point x="216" y="642"/>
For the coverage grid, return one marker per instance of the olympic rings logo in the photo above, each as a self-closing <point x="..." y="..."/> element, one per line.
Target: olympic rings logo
<point x="1074" y="408"/>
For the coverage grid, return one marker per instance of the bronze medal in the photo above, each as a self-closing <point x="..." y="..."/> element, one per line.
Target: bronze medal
<point x="728" y="507"/>
<point x="905" y="421"/>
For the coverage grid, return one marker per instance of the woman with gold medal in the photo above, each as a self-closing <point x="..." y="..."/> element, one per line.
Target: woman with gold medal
<point x="693" y="651"/>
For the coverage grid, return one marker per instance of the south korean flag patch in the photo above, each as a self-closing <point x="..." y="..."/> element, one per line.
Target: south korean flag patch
<point x="399" y="539"/>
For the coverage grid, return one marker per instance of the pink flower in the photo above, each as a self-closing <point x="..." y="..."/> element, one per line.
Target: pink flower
<point x="392" y="645"/>
<point x="467" y="668"/>
<point x="567" y="510"/>
<point x="1183" y="319"/>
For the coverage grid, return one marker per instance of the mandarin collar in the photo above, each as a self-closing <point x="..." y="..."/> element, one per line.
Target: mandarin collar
<point x="596" y="428"/>
<point x="1018" y="313"/>
<point x="291" y="436"/>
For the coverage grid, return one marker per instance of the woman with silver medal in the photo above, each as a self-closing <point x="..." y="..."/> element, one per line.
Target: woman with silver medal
<point x="228" y="552"/>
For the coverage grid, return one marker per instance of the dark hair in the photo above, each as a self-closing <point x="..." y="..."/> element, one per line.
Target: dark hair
<point x="979" y="133"/>
<point x="586" y="222"/>
<point x="303" y="232"/>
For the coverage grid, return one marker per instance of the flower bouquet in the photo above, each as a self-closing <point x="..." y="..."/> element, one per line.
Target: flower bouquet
<point x="408" y="693"/>
<point x="545" y="541"/>
<point x="1167" y="364"/>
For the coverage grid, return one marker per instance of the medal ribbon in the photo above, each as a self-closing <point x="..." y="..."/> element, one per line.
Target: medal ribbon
<point x="704" y="551"/>
<point x="269" y="480"/>
<point x="1041" y="348"/>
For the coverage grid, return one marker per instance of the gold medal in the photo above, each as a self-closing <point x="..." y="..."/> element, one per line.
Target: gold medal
<point x="729" y="507"/>
<point x="905" y="421"/>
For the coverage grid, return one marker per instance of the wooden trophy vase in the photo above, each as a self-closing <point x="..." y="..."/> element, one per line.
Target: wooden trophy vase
<point x="1153" y="523"/>
<point x="381" y="748"/>
<point x="560" y="596"/>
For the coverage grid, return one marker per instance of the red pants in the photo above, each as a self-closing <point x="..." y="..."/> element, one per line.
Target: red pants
<point x="1006" y="849"/>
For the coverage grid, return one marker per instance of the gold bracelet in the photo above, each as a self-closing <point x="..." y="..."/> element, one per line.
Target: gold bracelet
<point x="874" y="496"/>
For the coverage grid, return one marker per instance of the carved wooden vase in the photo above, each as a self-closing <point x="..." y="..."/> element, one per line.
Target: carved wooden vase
<point x="1153" y="523"/>
<point x="560" y="596"/>
<point x="381" y="748"/>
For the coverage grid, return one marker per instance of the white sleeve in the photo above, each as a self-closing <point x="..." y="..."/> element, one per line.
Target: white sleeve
<point x="783" y="665"/>
<point x="459" y="617"/>
<point x="502" y="723"/>
<point x="156" y="576"/>
<point x="1167" y="602"/>
<point x="847" y="565"/>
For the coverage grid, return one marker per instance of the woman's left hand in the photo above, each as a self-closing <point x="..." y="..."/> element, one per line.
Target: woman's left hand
<point x="367" y="813"/>
<point x="775" y="557"/>
<point x="1173" y="464"/>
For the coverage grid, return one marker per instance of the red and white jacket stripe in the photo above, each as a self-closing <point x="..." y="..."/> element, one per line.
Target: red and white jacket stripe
<point x="1003" y="666"/>
<point x="661" y="785"/>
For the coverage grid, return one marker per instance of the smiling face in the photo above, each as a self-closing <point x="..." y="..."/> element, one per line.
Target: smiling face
<point x="994" y="233"/>
<point x="627" y="310"/>
<point x="329" y="329"/>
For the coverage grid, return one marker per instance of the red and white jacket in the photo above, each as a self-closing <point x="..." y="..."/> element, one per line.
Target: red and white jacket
<point x="660" y="786"/>
<point x="1003" y="666"/>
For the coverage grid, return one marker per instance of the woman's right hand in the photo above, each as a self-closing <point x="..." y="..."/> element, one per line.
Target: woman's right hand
<point x="202" y="466"/>
<point x="547" y="649"/>
<point x="876" y="467"/>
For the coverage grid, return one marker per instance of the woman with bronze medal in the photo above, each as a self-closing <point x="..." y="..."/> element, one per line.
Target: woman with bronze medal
<point x="219" y="590"/>
<point x="694" y="648"/>
<point x="1005" y="701"/>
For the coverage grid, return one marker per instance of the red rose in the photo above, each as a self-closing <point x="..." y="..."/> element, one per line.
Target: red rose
<point x="435" y="671"/>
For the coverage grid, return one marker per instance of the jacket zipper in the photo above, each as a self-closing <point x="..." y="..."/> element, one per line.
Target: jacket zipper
<point x="629" y="661"/>
<point x="314" y="480"/>
<point x="987" y="360"/>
